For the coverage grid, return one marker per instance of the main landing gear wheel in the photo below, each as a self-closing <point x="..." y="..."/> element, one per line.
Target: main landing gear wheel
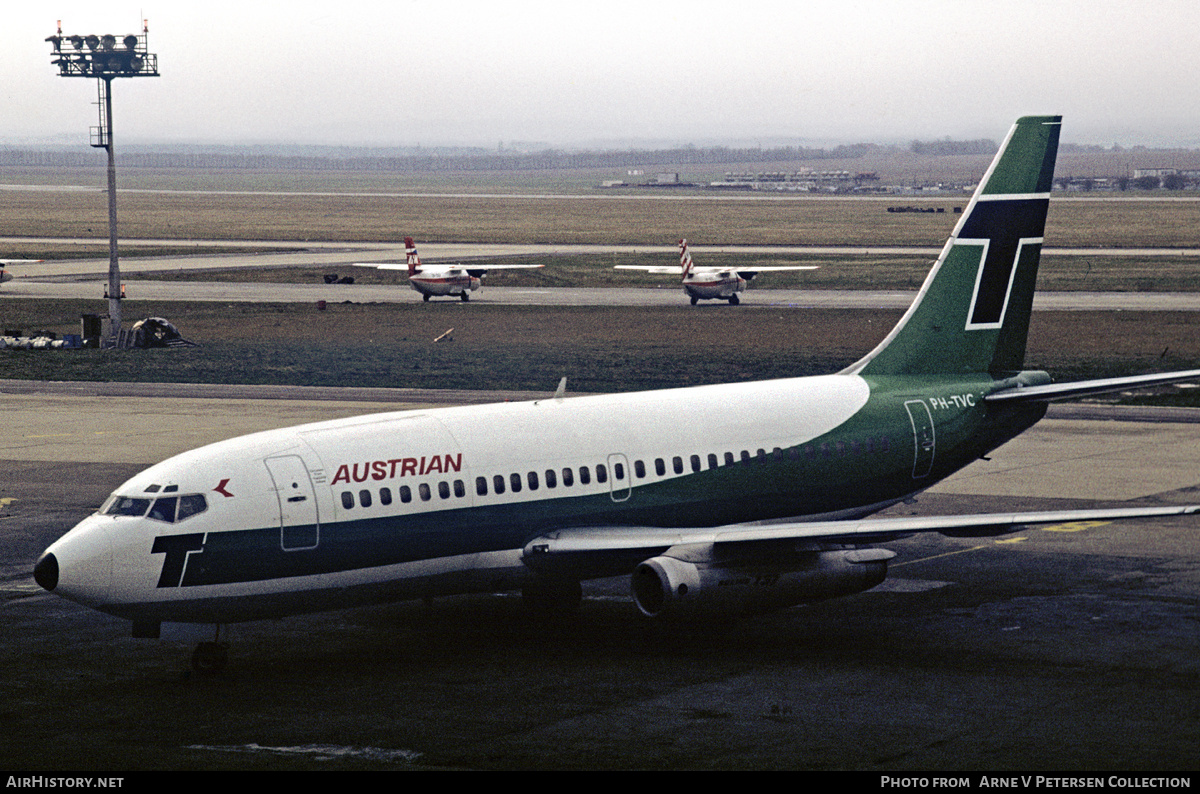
<point x="695" y="300"/>
<point x="734" y="300"/>
<point x="210" y="657"/>
<point x="466" y="296"/>
<point x="425" y="298"/>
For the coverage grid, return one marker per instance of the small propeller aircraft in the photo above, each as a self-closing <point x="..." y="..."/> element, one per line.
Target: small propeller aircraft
<point x="437" y="280"/>
<point x="5" y="275"/>
<point x="711" y="283"/>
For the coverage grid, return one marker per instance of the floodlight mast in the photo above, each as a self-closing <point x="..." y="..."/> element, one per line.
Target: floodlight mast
<point x="103" y="58"/>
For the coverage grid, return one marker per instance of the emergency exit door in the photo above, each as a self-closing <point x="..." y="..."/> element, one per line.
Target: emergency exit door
<point x="923" y="437"/>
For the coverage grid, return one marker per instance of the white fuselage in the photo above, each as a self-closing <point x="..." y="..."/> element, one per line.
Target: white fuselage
<point x="422" y="503"/>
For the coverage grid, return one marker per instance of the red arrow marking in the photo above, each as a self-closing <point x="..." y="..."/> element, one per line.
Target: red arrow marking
<point x="221" y="487"/>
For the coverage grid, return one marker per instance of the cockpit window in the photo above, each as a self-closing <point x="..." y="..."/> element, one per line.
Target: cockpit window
<point x="128" y="506"/>
<point x="171" y="509"/>
<point x="191" y="505"/>
<point x="164" y="509"/>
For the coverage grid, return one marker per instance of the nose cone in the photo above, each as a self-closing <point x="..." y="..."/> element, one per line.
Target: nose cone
<point x="79" y="565"/>
<point x="45" y="573"/>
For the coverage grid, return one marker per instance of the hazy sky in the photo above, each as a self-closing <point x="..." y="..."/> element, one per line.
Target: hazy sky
<point x="435" y="72"/>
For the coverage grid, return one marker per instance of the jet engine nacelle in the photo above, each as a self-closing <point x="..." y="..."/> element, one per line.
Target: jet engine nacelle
<point x="671" y="587"/>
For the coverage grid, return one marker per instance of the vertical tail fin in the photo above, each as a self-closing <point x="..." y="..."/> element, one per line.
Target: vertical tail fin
<point x="685" y="258"/>
<point x="414" y="260"/>
<point x="972" y="313"/>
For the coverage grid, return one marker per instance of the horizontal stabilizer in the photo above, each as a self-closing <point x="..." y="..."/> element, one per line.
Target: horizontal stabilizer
<point x="1062" y="391"/>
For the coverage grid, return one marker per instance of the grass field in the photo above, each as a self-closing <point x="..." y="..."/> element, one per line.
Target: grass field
<point x="598" y="349"/>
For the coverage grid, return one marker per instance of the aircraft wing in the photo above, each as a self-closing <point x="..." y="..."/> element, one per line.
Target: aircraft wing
<point x="570" y="548"/>
<point x="382" y="265"/>
<point x="673" y="270"/>
<point x="8" y="276"/>
<point x="1062" y="391"/>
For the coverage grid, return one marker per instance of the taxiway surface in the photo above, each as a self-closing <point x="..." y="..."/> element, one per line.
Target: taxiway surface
<point x="1072" y="647"/>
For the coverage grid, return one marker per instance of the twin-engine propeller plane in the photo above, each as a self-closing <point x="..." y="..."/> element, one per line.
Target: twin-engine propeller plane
<point x="5" y="275"/>
<point x="761" y="507"/>
<point x="711" y="283"/>
<point x="436" y="280"/>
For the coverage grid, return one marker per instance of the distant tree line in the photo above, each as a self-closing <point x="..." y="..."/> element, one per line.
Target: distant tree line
<point x="459" y="159"/>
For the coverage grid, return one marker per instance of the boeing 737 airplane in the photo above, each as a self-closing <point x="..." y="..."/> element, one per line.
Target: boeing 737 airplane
<point x="432" y="280"/>
<point x="761" y="506"/>
<point x="710" y="283"/>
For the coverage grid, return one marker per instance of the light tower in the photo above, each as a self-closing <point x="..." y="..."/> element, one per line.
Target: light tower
<point x="104" y="57"/>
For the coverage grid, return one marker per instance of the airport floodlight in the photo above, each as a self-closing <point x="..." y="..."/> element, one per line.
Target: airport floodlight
<point x="105" y="58"/>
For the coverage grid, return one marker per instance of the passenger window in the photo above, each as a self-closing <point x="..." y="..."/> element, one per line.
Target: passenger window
<point x="728" y="458"/>
<point x="385" y="496"/>
<point x="533" y="480"/>
<point x="444" y="489"/>
<point x="568" y="477"/>
<point x="695" y="463"/>
<point x="423" y="490"/>
<point x="347" y="500"/>
<point x="191" y="505"/>
<point x="745" y="456"/>
<point x="660" y="468"/>
<point x="601" y="474"/>
<point x="405" y="494"/>
<point x="712" y="460"/>
<point x="460" y="488"/>
<point x="585" y="476"/>
<point x="551" y="479"/>
<point x="639" y="469"/>
<point x="677" y="464"/>
<point x="498" y="482"/>
<point x="164" y="509"/>
<point x="481" y="486"/>
<point x="618" y="471"/>
<point x="364" y="498"/>
<point x="761" y="455"/>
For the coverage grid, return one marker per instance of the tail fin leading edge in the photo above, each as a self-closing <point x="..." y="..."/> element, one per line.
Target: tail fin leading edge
<point x="972" y="313"/>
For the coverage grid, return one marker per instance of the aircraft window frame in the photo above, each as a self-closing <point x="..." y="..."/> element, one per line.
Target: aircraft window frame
<point x="347" y="500"/>
<point x="585" y="475"/>
<point x="444" y="489"/>
<point x="164" y="509"/>
<point x="695" y="461"/>
<point x="481" y="486"/>
<point x="364" y="497"/>
<point x="601" y="473"/>
<point x="639" y="468"/>
<point x="385" y="496"/>
<point x="187" y="503"/>
<point x="729" y="459"/>
<point x="514" y="480"/>
<point x="568" y="477"/>
<point x="424" y="492"/>
<point x="498" y="482"/>
<point x="405" y="494"/>
<point x="128" y="506"/>
<point x="677" y="464"/>
<point x="551" y="478"/>
<point x="619" y="471"/>
<point x="460" y="489"/>
<point x="660" y="467"/>
<point x="713" y="462"/>
<point x="531" y="479"/>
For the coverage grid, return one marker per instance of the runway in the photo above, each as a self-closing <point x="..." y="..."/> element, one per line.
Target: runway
<point x="1071" y="648"/>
